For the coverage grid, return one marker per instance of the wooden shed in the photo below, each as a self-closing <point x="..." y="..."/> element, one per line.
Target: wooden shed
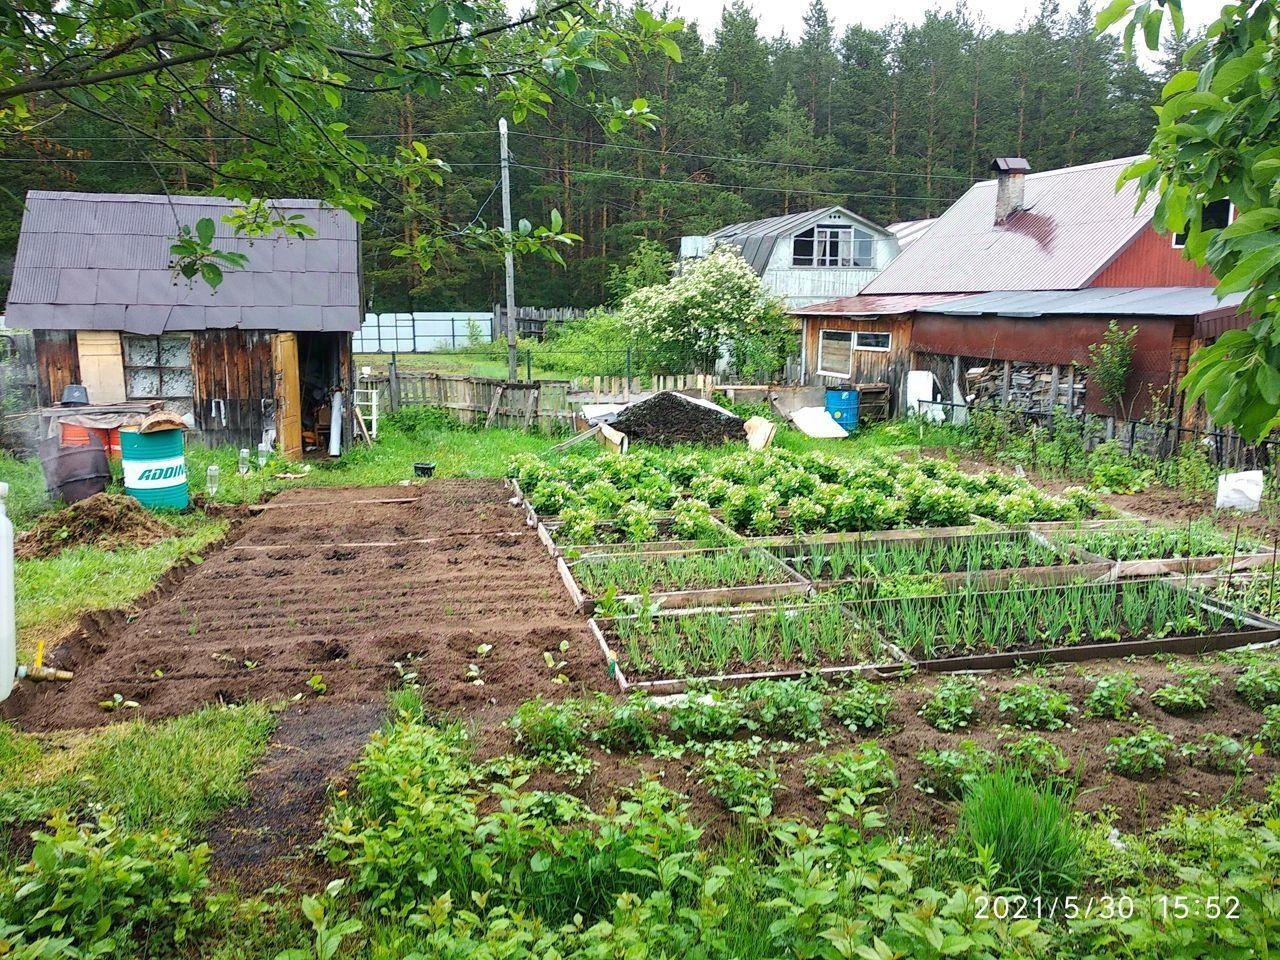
<point x="259" y="358"/>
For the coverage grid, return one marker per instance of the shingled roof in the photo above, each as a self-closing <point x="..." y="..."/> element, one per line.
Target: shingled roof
<point x="101" y="261"/>
<point x="757" y="238"/>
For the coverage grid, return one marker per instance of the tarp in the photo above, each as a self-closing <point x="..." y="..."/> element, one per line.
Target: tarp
<point x="816" y="422"/>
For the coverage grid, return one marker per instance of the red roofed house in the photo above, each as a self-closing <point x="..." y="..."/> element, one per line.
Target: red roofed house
<point x="1016" y="279"/>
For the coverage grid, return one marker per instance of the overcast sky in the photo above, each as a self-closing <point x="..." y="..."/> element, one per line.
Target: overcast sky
<point x="777" y="16"/>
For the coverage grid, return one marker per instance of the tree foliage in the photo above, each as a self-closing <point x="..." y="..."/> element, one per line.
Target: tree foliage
<point x="1218" y="138"/>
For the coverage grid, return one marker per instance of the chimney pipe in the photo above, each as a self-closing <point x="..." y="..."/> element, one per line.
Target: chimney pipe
<point x="1011" y="177"/>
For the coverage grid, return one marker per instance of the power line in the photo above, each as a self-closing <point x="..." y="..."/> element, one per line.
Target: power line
<point x="725" y="186"/>
<point x="355" y="136"/>
<point x="768" y="163"/>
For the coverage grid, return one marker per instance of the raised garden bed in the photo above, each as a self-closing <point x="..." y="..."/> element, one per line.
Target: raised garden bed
<point x="610" y="538"/>
<point x="664" y="653"/>
<point x="1143" y="549"/>
<point x="938" y="562"/>
<point x="678" y="578"/>
<point x="979" y="630"/>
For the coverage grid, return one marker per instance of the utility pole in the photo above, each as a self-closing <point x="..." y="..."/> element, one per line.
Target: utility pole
<point x="512" y="357"/>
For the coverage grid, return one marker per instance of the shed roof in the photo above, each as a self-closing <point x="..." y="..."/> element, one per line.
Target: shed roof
<point x="1196" y="302"/>
<point x="865" y="305"/>
<point x="1072" y="225"/>
<point x="100" y="261"/>
<point x="757" y="238"/>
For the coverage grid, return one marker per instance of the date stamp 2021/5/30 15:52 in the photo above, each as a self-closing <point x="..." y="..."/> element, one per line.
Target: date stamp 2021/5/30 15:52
<point x="1164" y="907"/>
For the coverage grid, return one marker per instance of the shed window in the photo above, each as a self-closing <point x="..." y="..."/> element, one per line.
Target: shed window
<point x="835" y="353"/>
<point x="832" y="245"/>
<point x="870" y="341"/>
<point x="1215" y="216"/>
<point x="158" y="368"/>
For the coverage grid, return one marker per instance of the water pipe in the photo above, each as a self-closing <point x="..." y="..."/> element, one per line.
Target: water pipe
<point x="8" y="623"/>
<point x="335" y="425"/>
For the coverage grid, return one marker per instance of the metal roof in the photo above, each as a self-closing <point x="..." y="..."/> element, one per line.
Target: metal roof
<point x="1072" y="225"/>
<point x="100" y="261"/>
<point x="757" y="238"/>
<point x="908" y="231"/>
<point x="1195" y="302"/>
<point x="865" y="305"/>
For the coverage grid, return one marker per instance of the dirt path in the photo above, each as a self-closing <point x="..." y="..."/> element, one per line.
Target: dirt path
<point x="330" y="590"/>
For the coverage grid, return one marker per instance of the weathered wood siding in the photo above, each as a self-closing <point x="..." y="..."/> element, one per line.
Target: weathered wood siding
<point x="57" y="363"/>
<point x="1151" y="260"/>
<point x="869" y="366"/>
<point x="234" y="385"/>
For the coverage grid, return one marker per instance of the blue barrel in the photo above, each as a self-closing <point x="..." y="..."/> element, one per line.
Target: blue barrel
<point x="155" y="468"/>
<point x="843" y="407"/>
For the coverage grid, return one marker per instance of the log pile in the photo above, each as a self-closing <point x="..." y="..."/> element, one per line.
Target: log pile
<point x="1034" y="387"/>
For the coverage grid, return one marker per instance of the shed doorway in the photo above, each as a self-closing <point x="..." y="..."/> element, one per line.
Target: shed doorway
<point x="308" y="371"/>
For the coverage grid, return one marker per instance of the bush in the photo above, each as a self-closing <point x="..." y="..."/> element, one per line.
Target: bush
<point x="101" y="889"/>
<point x="863" y="706"/>
<point x="1112" y="696"/>
<point x="953" y="704"/>
<point x="1144" y="754"/>
<point x="948" y="772"/>
<point x="1026" y="829"/>
<point x="1259" y="685"/>
<point x="1036" y="707"/>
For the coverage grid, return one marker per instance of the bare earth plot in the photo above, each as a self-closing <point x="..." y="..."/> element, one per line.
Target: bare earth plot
<point x="335" y="584"/>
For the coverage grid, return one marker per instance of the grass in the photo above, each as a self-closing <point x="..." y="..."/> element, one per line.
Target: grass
<point x="52" y="593"/>
<point x="27" y="497"/>
<point x="174" y="773"/>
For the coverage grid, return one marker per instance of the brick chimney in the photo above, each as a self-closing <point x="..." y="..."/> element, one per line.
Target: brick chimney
<point x="1011" y="180"/>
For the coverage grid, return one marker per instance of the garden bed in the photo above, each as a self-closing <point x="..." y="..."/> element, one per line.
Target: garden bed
<point x="1143" y="549"/>
<point x="667" y="652"/>
<point x="609" y="537"/>
<point x="679" y="578"/>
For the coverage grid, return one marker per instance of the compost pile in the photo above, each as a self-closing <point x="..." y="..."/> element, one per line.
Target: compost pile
<point x="668" y="418"/>
<point x="108" y="521"/>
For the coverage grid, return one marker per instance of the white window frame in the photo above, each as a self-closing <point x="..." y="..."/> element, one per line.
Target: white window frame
<point x="822" y="353"/>
<point x="859" y="334"/>
<point x="1231" y="216"/>
<point x="846" y="239"/>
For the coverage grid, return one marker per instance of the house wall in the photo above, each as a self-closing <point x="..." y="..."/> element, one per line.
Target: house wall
<point x="1151" y="260"/>
<point x="1160" y="348"/>
<point x="234" y="385"/>
<point x="802" y="286"/>
<point x="869" y="366"/>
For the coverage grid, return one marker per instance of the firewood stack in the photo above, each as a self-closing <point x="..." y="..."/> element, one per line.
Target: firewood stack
<point x="1031" y="386"/>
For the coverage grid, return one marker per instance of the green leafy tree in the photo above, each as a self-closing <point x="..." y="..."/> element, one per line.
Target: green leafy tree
<point x="276" y="74"/>
<point x="1110" y="362"/>
<point x="648" y="264"/>
<point x="1217" y="139"/>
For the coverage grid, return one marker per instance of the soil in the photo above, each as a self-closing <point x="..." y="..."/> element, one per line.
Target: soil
<point x="669" y="418"/>
<point x="108" y="521"/>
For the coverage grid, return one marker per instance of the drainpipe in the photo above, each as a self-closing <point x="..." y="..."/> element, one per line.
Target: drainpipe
<point x="8" y="624"/>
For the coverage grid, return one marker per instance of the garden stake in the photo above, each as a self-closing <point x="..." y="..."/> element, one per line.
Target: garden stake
<point x="1231" y="568"/>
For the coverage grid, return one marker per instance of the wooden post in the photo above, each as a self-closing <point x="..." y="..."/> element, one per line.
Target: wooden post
<point x="1071" y="390"/>
<point x="393" y="385"/>
<point x="530" y="407"/>
<point x="1006" y="383"/>
<point x="1053" y="389"/>
<point x="493" y="406"/>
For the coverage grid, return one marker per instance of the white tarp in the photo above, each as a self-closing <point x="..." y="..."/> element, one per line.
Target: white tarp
<point x="816" y="422"/>
<point x="1240" y="491"/>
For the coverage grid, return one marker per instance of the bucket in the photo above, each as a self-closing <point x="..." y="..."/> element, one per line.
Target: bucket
<point x="155" y="468"/>
<point x="843" y="407"/>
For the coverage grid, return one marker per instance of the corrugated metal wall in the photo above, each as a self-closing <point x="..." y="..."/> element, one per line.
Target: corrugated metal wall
<point x="1152" y="261"/>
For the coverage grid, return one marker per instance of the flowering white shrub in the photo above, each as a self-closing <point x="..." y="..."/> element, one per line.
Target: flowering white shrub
<point x="717" y="301"/>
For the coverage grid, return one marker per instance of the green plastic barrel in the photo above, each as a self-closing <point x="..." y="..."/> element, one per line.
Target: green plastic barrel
<point x="155" y="468"/>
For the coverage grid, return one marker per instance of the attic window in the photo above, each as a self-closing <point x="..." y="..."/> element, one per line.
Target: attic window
<point x="832" y="245"/>
<point x="1215" y="216"/>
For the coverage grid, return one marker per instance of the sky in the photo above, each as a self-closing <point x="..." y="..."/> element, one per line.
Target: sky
<point x="777" y="16"/>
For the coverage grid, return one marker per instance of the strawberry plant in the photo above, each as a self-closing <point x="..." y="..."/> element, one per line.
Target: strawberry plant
<point x="1036" y="707"/>
<point x="1039" y="756"/>
<point x="625" y="727"/>
<point x="1269" y="732"/>
<point x="1112" y="696"/>
<point x="1140" y="755"/>
<point x="707" y="716"/>
<point x="863" y="705"/>
<point x="733" y="774"/>
<point x="948" y="772"/>
<point x="1189" y="693"/>
<point x="953" y="704"/>
<point x="1259" y="685"/>
<point x="788" y="708"/>
<point x="544" y="728"/>
<point x="1217" y="753"/>
<point x="859" y="775"/>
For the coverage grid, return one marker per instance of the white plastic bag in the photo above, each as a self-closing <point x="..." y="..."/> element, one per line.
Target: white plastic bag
<point x="1241" y="491"/>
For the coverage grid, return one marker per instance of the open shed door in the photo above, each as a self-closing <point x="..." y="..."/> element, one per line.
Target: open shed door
<point x="284" y="361"/>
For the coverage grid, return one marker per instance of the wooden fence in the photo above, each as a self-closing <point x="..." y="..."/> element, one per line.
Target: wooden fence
<point x="547" y="405"/>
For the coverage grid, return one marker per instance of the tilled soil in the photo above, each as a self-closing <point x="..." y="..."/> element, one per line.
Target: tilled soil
<point x="321" y="586"/>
